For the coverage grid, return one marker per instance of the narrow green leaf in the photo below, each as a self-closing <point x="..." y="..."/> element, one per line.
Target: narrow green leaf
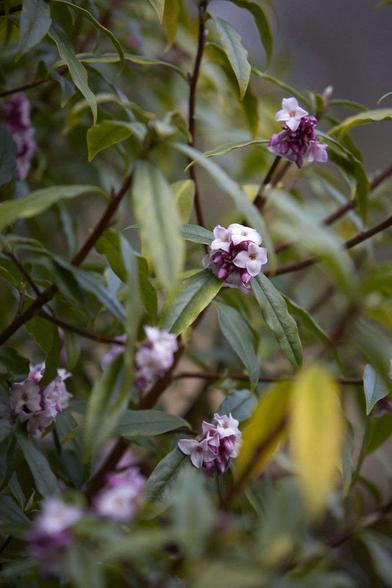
<point x="184" y="192"/>
<point x="262" y="25"/>
<point x="278" y="319"/>
<point x="236" y="53"/>
<point x="159" y="222"/>
<point x="35" y="22"/>
<point x="197" y="234"/>
<point x="373" y="387"/>
<point x="77" y="71"/>
<point x="136" y="59"/>
<point x="239" y="336"/>
<point x="87" y="14"/>
<point x="159" y="7"/>
<point x="306" y="318"/>
<point x="145" y="423"/>
<point x="164" y="475"/>
<point x="39" y="201"/>
<point x="363" y="118"/>
<point x="191" y="298"/>
<point x="170" y="17"/>
<point x="43" y="476"/>
<point x="109" y="133"/>
<point x="109" y="245"/>
<point x="283" y="86"/>
<point x="240" y="404"/>
<point x="10" y="513"/>
<point x="223" y="149"/>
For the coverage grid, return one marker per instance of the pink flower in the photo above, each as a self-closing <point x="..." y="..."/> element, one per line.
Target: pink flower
<point x="200" y="452"/>
<point x="291" y="113"/>
<point x="240" y="233"/>
<point x="155" y="356"/>
<point x="216" y="447"/>
<point x="119" y="499"/>
<point x="222" y="239"/>
<point x="252" y="259"/>
<point x="17" y="121"/>
<point x="317" y="152"/>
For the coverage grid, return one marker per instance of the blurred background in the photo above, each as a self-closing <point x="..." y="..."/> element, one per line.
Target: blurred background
<point x="343" y="43"/>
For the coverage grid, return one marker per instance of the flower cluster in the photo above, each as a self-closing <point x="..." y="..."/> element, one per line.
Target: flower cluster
<point x="235" y="254"/>
<point x="37" y="405"/>
<point x="51" y="534"/>
<point x="155" y="356"/>
<point x="17" y="121"/>
<point x="216" y="447"/>
<point x="119" y="498"/>
<point x="298" y="140"/>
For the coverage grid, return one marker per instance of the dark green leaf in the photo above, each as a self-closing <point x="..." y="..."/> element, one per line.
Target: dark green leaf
<point x="44" y="478"/>
<point x="109" y="133"/>
<point x="165" y="474"/>
<point x="136" y="423"/>
<point x="35" y="22"/>
<point x="373" y="387"/>
<point x="262" y="25"/>
<point x="240" y="403"/>
<point x="278" y="319"/>
<point x="7" y="157"/>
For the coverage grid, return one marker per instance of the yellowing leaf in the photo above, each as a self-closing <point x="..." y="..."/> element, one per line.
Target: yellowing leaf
<point x="263" y="432"/>
<point x="316" y="434"/>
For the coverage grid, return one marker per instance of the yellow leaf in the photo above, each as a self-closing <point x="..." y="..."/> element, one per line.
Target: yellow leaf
<point x="263" y="433"/>
<point x="316" y="434"/>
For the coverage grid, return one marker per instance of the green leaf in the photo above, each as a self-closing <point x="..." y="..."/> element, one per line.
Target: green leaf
<point x="239" y="336"/>
<point x="192" y="525"/>
<point x="236" y="53"/>
<point x="39" y="201"/>
<point x="363" y="118"/>
<point x="184" y="192"/>
<point x="373" y="387"/>
<point x="170" y="17"/>
<point x="7" y="157"/>
<point x="191" y="298"/>
<point x="109" y="245"/>
<point x="159" y="222"/>
<point x="136" y="59"/>
<point x="228" y="185"/>
<point x="109" y="133"/>
<point x="164" y="476"/>
<point x="197" y="234"/>
<point x="44" y="478"/>
<point x="82" y="567"/>
<point x="10" y="513"/>
<point x="159" y="7"/>
<point x="316" y="434"/>
<point x="306" y="318"/>
<point x="13" y="365"/>
<point x="262" y="25"/>
<point x="77" y="71"/>
<point x="35" y="23"/>
<point x="240" y="404"/>
<point x="380" y="430"/>
<point x="283" y="86"/>
<point x="384" y="97"/>
<point x="278" y="319"/>
<point x="148" y="293"/>
<point x="101" y="420"/>
<point x="97" y="24"/>
<point x="5" y="429"/>
<point x="145" y="423"/>
<point x="223" y="149"/>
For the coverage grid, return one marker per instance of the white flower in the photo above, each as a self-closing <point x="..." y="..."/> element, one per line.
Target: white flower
<point x="56" y="516"/>
<point x="222" y="238"/>
<point x="291" y="113"/>
<point x="156" y="354"/>
<point x="240" y="233"/>
<point x="226" y="425"/>
<point x="317" y="152"/>
<point x="116" y="503"/>
<point x="252" y="259"/>
<point x="198" y="451"/>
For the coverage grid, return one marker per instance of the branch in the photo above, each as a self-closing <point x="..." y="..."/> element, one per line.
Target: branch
<point x="340" y="212"/>
<point x="80" y="256"/>
<point x="192" y="104"/>
<point x="260" y="199"/>
<point x="360" y="238"/>
<point x="212" y="376"/>
<point x="86" y="333"/>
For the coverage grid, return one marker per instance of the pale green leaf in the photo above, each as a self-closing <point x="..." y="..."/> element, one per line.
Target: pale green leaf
<point x="35" y="22"/>
<point x="109" y="133"/>
<point x="197" y="234"/>
<point x="262" y="25"/>
<point x="364" y="118"/>
<point x="145" y="423"/>
<point x="159" y="222"/>
<point x="373" y="387"/>
<point x="184" y="192"/>
<point x="236" y="53"/>
<point x="191" y="298"/>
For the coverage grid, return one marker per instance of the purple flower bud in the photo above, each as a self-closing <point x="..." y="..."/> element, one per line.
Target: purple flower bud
<point x="16" y="114"/>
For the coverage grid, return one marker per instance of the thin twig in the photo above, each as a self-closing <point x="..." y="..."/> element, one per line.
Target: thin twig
<point x="86" y="333"/>
<point x="192" y="105"/>
<point x="260" y="200"/>
<point x="212" y="376"/>
<point x="359" y="238"/>
<point x="342" y="210"/>
<point x="80" y="256"/>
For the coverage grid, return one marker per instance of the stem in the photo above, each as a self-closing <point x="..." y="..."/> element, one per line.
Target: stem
<point x="211" y="376"/>
<point x="260" y="199"/>
<point x="340" y="212"/>
<point x="80" y="256"/>
<point x="86" y="333"/>
<point x="192" y="104"/>
<point x="360" y="238"/>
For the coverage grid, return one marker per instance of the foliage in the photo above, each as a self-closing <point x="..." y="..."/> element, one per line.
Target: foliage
<point x="142" y="113"/>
